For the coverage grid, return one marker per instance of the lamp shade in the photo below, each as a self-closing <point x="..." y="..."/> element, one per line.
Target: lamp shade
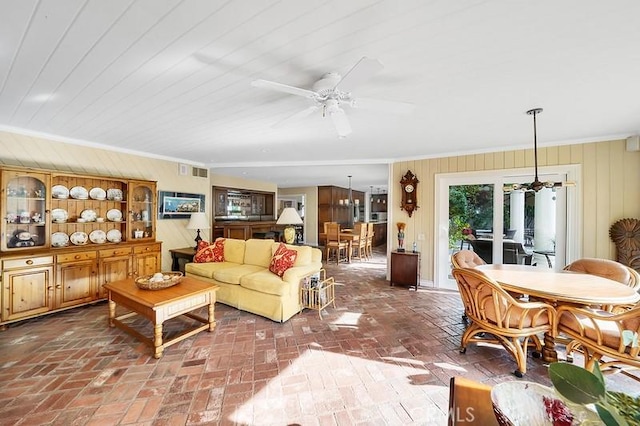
<point x="198" y="221"/>
<point x="289" y="216"/>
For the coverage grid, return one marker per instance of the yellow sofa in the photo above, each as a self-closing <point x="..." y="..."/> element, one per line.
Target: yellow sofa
<point x="246" y="282"/>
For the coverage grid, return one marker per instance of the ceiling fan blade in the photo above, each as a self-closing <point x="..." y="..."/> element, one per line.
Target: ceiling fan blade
<point x="341" y="122"/>
<point x="384" y="106"/>
<point x="297" y="116"/>
<point x="363" y="70"/>
<point x="279" y="87"/>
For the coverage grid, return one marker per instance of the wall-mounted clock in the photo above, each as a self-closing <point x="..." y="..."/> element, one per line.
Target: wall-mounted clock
<point x="409" y="184"/>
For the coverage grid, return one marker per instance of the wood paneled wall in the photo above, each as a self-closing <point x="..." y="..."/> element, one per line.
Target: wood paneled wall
<point x="28" y="151"/>
<point x="610" y="190"/>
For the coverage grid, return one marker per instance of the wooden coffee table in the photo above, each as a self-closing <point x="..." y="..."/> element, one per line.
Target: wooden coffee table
<point x="160" y="305"/>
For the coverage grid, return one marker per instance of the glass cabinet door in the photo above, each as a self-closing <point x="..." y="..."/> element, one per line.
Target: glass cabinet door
<point x="142" y="213"/>
<point x="24" y="210"/>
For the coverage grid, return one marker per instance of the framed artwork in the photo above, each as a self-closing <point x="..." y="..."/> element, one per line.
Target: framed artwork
<point x="179" y="205"/>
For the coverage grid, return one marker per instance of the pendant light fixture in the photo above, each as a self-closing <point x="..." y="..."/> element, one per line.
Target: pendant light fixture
<point x="536" y="185"/>
<point x="350" y="204"/>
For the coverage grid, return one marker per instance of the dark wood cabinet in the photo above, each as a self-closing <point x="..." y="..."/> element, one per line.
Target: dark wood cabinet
<point x="405" y="269"/>
<point x="330" y="208"/>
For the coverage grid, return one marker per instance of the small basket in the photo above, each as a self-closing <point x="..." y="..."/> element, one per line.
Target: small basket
<point x="174" y="278"/>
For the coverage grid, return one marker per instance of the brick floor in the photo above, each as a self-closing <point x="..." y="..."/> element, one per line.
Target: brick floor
<point x="383" y="356"/>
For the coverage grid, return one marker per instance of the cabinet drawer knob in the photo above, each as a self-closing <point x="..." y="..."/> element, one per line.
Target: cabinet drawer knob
<point x="77" y="256"/>
<point x="29" y="262"/>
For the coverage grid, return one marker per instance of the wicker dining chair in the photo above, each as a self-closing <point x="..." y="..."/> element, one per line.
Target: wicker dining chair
<point x="607" y="269"/>
<point x="466" y="259"/>
<point x="493" y="312"/>
<point x="600" y="334"/>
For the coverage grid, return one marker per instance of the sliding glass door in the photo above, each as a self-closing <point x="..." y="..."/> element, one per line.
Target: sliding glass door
<point x="484" y="213"/>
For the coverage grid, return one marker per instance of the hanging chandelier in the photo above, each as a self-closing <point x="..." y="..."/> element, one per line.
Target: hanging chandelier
<point x="536" y="185"/>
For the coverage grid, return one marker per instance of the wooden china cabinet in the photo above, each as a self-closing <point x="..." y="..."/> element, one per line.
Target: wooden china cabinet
<point x="64" y="235"/>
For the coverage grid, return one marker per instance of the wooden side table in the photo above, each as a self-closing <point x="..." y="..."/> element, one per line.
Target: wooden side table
<point x="180" y="256"/>
<point x="405" y="268"/>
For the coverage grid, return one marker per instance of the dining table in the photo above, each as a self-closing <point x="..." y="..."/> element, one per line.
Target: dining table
<point x="347" y="235"/>
<point x="559" y="288"/>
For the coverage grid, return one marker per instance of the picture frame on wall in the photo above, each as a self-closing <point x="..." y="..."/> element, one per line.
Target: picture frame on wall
<point x="179" y="205"/>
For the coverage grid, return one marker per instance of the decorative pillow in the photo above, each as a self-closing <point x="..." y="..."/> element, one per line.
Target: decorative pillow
<point x="282" y="259"/>
<point x="208" y="252"/>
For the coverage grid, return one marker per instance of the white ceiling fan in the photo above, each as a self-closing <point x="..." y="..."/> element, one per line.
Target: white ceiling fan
<point x="333" y="91"/>
<point x="536" y="185"/>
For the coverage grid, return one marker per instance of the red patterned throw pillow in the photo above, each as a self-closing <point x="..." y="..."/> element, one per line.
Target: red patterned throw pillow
<point x="208" y="252"/>
<point x="282" y="260"/>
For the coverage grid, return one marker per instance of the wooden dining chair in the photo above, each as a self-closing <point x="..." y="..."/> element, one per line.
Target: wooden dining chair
<point x="369" y="246"/>
<point x="359" y="247"/>
<point x="493" y="312"/>
<point x="334" y="244"/>
<point x="600" y="334"/>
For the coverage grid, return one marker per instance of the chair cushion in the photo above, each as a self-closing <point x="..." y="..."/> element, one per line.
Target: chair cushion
<point x="602" y="267"/>
<point x="282" y="259"/>
<point x="610" y="332"/>
<point x="208" y="252"/>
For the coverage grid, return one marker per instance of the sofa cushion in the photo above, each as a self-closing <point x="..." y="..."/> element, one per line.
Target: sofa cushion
<point x="207" y="269"/>
<point x="266" y="282"/>
<point x="233" y="274"/>
<point x="234" y="250"/>
<point x="258" y="252"/>
<point x="208" y="252"/>
<point x="282" y="259"/>
<point x="304" y="253"/>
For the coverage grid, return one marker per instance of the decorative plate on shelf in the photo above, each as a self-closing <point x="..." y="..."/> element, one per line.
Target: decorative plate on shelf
<point x="114" y="215"/>
<point x="114" y="236"/>
<point x="114" y="194"/>
<point x="79" y="193"/>
<point x="528" y="403"/>
<point x="79" y="238"/>
<point x="59" y="239"/>
<point x="59" y="215"/>
<point x="89" y="215"/>
<point x="60" y="191"/>
<point x="98" y="236"/>
<point x="98" y="194"/>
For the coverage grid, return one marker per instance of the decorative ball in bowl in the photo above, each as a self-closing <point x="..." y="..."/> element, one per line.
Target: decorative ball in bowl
<point x="520" y="403"/>
<point x="159" y="280"/>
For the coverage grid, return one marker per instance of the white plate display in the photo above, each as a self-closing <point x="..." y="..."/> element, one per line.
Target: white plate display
<point x="60" y="191"/>
<point x="79" y="193"/>
<point x="89" y="215"/>
<point x="98" y="236"/>
<point x="114" y="215"/>
<point x="79" y="238"/>
<point x="98" y="194"/>
<point x="114" y="194"/>
<point x="59" y="215"/>
<point x="114" y="236"/>
<point x="59" y="239"/>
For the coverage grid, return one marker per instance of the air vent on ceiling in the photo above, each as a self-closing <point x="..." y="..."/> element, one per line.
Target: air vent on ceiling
<point x="199" y="172"/>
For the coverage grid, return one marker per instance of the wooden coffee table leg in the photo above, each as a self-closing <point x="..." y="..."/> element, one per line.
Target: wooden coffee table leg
<point x="157" y="340"/>
<point x="112" y="313"/>
<point x="212" y="317"/>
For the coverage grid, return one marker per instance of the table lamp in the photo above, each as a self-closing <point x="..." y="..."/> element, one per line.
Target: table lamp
<point x="289" y="216"/>
<point x="198" y="221"/>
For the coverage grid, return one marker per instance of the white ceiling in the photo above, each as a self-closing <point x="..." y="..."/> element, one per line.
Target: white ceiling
<point x="173" y="78"/>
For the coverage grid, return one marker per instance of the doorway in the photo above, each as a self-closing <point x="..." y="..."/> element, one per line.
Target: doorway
<point x="480" y="211"/>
